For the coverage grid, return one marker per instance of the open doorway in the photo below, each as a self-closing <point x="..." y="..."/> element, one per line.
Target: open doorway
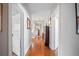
<point x="15" y="30"/>
<point x="45" y="28"/>
<point x="43" y="34"/>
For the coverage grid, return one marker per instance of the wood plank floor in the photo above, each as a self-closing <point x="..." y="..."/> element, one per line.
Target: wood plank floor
<point x="39" y="49"/>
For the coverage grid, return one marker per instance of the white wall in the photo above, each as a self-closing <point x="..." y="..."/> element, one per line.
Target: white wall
<point x="27" y="35"/>
<point x="52" y="37"/>
<point x="54" y="30"/>
<point x="27" y="32"/>
<point x="69" y="40"/>
<point x="4" y="33"/>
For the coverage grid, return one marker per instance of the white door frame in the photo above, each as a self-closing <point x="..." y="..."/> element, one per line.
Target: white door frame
<point x="10" y="31"/>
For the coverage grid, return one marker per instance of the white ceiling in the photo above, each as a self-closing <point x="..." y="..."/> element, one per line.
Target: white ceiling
<point x="34" y="8"/>
<point x="39" y="10"/>
<point x="14" y="9"/>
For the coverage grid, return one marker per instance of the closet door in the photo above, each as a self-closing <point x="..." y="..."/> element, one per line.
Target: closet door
<point x="47" y="36"/>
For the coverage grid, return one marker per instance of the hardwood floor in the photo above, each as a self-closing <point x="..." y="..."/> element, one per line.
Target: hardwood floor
<point x="39" y="49"/>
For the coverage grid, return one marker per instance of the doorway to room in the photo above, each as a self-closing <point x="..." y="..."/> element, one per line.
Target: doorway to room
<point x="16" y="46"/>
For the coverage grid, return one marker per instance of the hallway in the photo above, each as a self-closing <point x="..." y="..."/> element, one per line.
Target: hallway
<point x="16" y="36"/>
<point x="34" y="29"/>
<point x="41" y="20"/>
<point x="39" y="49"/>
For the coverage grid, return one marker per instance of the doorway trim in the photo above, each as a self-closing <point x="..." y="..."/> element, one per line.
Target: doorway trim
<point x="10" y="30"/>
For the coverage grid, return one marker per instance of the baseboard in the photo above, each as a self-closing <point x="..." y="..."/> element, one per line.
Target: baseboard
<point x="27" y="50"/>
<point x="51" y="47"/>
<point x="56" y="52"/>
